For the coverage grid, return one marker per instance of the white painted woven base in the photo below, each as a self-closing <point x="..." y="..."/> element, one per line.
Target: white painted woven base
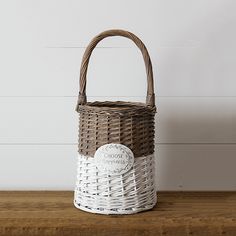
<point x="128" y="193"/>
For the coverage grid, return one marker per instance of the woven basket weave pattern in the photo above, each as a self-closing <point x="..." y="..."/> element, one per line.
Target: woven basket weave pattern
<point x="129" y="193"/>
<point x="127" y="123"/>
<point x="132" y="129"/>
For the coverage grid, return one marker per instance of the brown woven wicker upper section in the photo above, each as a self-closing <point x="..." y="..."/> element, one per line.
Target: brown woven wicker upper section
<point x="130" y="124"/>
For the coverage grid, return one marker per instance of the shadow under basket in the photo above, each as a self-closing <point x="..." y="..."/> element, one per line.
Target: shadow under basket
<point x="126" y="127"/>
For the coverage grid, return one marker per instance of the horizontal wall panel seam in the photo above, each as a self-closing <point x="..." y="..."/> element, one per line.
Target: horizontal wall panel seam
<point x="75" y="144"/>
<point x="83" y="47"/>
<point x="75" y="96"/>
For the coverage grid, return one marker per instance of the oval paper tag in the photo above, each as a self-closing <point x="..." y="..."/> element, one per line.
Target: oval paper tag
<point x="114" y="159"/>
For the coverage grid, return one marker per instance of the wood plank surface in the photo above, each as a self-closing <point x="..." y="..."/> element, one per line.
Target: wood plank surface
<point x="177" y="213"/>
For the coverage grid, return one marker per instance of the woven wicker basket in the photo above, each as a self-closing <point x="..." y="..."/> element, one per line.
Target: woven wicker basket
<point x="123" y="126"/>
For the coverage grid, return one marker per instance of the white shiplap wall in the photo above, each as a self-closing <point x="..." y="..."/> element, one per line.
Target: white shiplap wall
<point x="192" y="45"/>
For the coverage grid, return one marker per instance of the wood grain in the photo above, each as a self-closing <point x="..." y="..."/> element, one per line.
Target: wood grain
<point x="177" y="213"/>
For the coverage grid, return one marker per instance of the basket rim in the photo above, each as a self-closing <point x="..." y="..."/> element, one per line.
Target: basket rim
<point x="116" y="106"/>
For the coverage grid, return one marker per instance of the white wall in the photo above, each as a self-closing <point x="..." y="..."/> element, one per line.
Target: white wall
<point x="192" y="45"/>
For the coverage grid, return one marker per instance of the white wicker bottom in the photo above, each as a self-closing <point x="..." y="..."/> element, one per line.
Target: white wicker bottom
<point x="128" y="193"/>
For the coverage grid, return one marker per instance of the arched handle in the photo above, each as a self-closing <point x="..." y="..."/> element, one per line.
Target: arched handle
<point x="150" y="99"/>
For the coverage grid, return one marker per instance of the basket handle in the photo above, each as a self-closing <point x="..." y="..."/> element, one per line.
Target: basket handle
<point x="82" y="99"/>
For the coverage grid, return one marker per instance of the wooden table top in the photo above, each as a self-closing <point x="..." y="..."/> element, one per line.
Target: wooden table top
<point x="177" y="213"/>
